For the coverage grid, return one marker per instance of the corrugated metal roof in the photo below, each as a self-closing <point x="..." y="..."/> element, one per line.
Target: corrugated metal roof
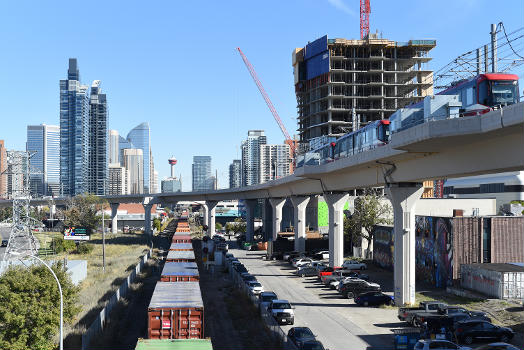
<point x="174" y="344"/>
<point x="181" y="246"/>
<point x="499" y="267"/>
<point x="180" y="269"/>
<point x="181" y="254"/>
<point x="176" y="295"/>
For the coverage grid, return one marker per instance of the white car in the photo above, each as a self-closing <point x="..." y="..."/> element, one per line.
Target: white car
<point x="354" y="265"/>
<point x="324" y="254"/>
<point x="302" y="262"/>
<point x="255" y="287"/>
<point x="438" y="345"/>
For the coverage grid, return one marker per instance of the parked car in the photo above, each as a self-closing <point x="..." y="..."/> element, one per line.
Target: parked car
<point x="354" y="265"/>
<point x="497" y="346"/>
<point x="302" y="262"/>
<point x="306" y="271"/>
<point x="299" y="335"/>
<point x="265" y="298"/>
<point x="448" y="320"/>
<point x="356" y="287"/>
<point x="247" y="277"/>
<point x="4" y="242"/>
<point x="472" y="330"/>
<point x="318" y="264"/>
<point x="282" y="311"/>
<point x="323" y="254"/>
<point x="374" y="299"/>
<point x="438" y="345"/>
<point x="408" y="313"/>
<point x="239" y="268"/>
<point x="337" y="276"/>
<point x="291" y="255"/>
<point x="312" y="345"/>
<point x="255" y="287"/>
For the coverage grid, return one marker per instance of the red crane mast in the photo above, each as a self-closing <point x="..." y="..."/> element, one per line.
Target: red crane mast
<point x="365" y="10"/>
<point x="268" y="101"/>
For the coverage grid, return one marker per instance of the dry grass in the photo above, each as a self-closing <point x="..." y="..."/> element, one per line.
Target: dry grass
<point x="122" y="252"/>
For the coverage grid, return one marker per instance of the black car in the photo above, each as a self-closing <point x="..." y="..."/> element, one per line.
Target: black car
<point x="356" y="287"/>
<point x="471" y="330"/>
<point x="312" y="345"/>
<point x="373" y="299"/>
<point x="497" y="346"/>
<point x="299" y="335"/>
<point x="240" y="268"/>
<point x="4" y="242"/>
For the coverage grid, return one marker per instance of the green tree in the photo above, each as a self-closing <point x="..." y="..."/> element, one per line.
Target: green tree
<point x="82" y="211"/>
<point x="370" y="210"/>
<point x="157" y="224"/>
<point x="6" y="213"/>
<point x="239" y="226"/>
<point x="30" y="306"/>
<point x="218" y="226"/>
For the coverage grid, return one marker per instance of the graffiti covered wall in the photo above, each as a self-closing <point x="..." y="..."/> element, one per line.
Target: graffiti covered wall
<point x="383" y="246"/>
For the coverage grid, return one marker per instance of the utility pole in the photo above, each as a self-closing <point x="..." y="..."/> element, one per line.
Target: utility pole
<point x="493" y="48"/>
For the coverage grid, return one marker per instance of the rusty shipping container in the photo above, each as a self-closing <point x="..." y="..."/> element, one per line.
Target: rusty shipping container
<point x="502" y="281"/>
<point x="181" y="246"/>
<point x="176" y="311"/>
<point x="467" y="240"/>
<point x="180" y="256"/>
<point x="180" y="272"/>
<point x="181" y="239"/>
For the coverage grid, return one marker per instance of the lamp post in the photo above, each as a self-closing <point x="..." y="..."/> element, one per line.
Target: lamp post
<point x="61" y="295"/>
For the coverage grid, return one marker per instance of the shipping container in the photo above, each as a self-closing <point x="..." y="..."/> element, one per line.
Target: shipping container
<point x="176" y="311"/>
<point x="180" y="256"/>
<point x="467" y="243"/>
<point x="502" y="281"/>
<point x="181" y="239"/>
<point x="174" y="344"/>
<point x="181" y="246"/>
<point x="179" y="272"/>
<point x="507" y="239"/>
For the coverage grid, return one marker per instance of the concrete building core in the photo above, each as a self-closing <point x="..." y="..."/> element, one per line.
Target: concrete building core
<point x="336" y="79"/>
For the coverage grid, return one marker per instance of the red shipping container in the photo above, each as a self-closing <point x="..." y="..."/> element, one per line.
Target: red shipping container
<point x="176" y="311"/>
<point x="180" y="272"/>
<point x="180" y="256"/>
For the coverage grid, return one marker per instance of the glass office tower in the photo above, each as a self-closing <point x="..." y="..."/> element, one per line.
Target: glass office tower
<point x="74" y="128"/>
<point x="202" y="179"/>
<point x="98" y="141"/>
<point x="43" y="141"/>
<point x="139" y="138"/>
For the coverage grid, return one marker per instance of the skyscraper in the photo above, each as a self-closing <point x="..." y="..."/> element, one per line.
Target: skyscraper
<point x="3" y="168"/>
<point x="74" y="128"/>
<point x="114" y="150"/>
<point x="98" y="136"/>
<point x="123" y="144"/>
<point x="201" y="169"/>
<point x="134" y="164"/>
<point x="44" y="141"/>
<point x="274" y="162"/>
<point x="251" y="157"/>
<point x="118" y="177"/>
<point x="140" y="138"/>
<point x="235" y="174"/>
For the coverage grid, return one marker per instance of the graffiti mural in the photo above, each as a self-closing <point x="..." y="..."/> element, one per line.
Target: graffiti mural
<point x="433" y="249"/>
<point x="383" y="246"/>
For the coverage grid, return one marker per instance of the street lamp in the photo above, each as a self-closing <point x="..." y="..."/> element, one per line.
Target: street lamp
<point x="59" y="289"/>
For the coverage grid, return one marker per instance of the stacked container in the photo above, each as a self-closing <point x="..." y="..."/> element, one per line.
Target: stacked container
<point x="180" y="272"/>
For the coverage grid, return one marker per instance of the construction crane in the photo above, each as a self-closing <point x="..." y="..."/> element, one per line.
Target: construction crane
<point x="251" y="70"/>
<point x="365" y="10"/>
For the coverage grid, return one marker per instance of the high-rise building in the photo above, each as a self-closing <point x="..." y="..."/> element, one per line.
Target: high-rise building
<point x="3" y="170"/>
<point x="114" y="150"/>
<point x="154" y="184"/>
<point x="235" y="174"/>
<point x="98" y="136"/>
<point x="134" y="164"/>
<point x="139" y="137"/>
<point x="123" y="144"/>
<point x="171" y="185"/>
<point x="251" y="157"/>
<point x="152" y="180"/>
<point x="118" y="176"/>
<point x="201" y="169"/>
<point x="274" y="162"/>
<point x="343" y="84"/>
<point x="74" y="128"/>
<point x="43" y="141"/>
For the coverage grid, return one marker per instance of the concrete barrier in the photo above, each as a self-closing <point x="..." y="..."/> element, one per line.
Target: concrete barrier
<point x="99" y="323"/>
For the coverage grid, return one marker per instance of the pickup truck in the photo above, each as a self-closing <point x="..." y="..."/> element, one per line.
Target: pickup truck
<point x="407" y="314"/>
<point x="455" y="313"/>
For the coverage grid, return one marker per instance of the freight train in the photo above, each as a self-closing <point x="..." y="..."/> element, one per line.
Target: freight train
<point x="475" y="96"/>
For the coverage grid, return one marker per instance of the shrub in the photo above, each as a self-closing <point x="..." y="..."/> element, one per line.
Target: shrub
<point x="61" y="245"/>
<point x="84" y="248"/>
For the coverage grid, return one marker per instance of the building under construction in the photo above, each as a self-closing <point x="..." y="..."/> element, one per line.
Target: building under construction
<point x="342" y="84"/>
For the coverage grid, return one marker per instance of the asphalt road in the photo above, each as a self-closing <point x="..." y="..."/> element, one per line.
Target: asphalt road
<point x="338" y="323"/>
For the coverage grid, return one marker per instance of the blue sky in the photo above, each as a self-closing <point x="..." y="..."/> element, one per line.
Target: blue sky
<point x="174" y="63"/>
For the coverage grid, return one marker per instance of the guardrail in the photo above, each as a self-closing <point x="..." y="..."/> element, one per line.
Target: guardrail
<point x="274" y="328"/>
<point x="99" y="323"/>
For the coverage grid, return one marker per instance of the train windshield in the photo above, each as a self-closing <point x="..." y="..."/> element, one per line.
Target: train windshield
<point x="504" y="92"/>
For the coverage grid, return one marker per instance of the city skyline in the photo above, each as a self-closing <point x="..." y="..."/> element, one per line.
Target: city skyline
<point x="237" y="107"/>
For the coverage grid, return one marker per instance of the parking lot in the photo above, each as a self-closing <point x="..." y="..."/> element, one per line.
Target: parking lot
<point x="337" y="322"/>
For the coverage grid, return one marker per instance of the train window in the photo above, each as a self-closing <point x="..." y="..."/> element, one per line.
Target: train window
<point x="469" y="96"/>
<point x="504" y="92"/>
<point x="483" y="93"/>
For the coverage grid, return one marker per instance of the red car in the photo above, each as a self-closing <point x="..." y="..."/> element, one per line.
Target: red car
<point x="327" y="271"/>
